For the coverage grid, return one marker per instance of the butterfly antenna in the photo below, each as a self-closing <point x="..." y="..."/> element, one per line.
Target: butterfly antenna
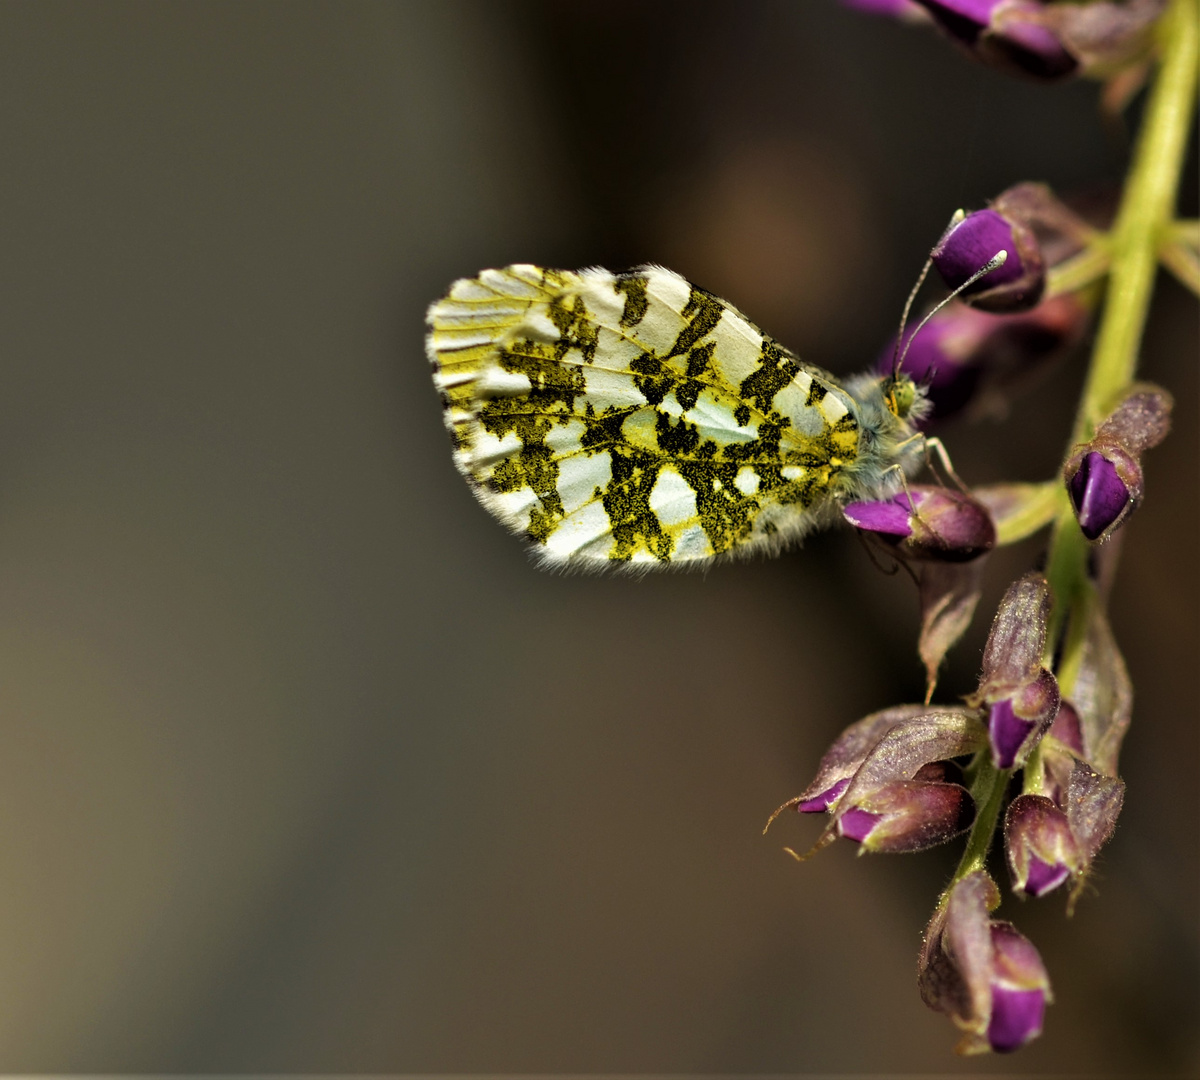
<point x="996" y="261"/>
<point x="897" y="359"/>
<point x="912" y="296"/>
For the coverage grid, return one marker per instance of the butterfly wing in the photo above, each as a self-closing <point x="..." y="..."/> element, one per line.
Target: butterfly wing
<point x="633" y="417"/>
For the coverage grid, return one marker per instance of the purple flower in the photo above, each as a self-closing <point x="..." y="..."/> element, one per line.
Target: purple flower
<point x="907" y="815"/>
<point x="1020" y="989"/>
<point x="1021" y="718"/>
<point x="1104" y="476"/>
<point x="1041" y="849"/>
<point x="888" y="782"/>
<point x="970" y="358"/>
<point x="971" y="242"/>
<point x="981" y="972"/>
<point x="927" y="522"/>
<point x="1017" y="35"/>
<point x="1021" y="695"/>
<point x="1098" y="494"/>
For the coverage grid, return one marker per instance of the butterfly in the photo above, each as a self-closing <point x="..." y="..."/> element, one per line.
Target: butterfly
<point x="634" y="418"/>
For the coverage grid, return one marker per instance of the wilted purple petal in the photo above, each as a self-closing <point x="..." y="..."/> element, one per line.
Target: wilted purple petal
<point x="1098" y="494"/>
<point x="818" y="804"/>
<point x="968" y="246"/>
<point x="1102" y="694"/>
<point x="1014" y="647"/>
<point x="1007" y="732"/>
<point x="890" y="517"/>
<point x="1016" y="1018"/>
<point x="1043" y="877"/>
<point x="856" y="824"/>
<point x="949" y="593"/>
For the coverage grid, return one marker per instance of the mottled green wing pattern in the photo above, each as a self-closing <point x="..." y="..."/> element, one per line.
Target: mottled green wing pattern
<point x="633" y="417"/>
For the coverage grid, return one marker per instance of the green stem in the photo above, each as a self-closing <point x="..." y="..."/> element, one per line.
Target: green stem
<point x="1144" y="217"/>
<point x="988" y="791"/>
<point x="1146" y="210"/>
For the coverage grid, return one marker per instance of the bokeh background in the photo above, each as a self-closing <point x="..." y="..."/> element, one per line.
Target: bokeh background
<point x="303" y="765"/>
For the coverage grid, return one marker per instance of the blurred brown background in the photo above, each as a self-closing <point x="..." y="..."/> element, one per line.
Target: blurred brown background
<point x="303" y="766"/>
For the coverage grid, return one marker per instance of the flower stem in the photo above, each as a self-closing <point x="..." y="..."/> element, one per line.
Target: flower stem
<point x="1144" y="218"/>
<point x="1145" y="214"/>
<point x="988" y="791"/>
<point x="1146" y="210"/>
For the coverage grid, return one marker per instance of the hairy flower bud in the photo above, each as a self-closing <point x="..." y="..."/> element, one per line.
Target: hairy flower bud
<point x="1102" y="489"/>
<point x="981" y="972"/>
<point x="1041" y="849"/>
<point x="889" y="782"/>
<point x="1104" y="476"/>
<point x="1021" y="695"/>
<point x="1018" y="721"/>
<point x="972" y="241"/>
<point x="927" y="522"/>
<point x="907" y="815"/>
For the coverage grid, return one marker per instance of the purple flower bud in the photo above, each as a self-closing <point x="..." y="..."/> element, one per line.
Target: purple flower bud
<point x="844" y="758"/>
<point x="889" y="781"/>
<point x="969" y="244"/>
<point x="1104" y="476"/>
<point x="1099" y="495"/>
<point x="1017" y="722"/>
<point x="1041" y="849"/>
<point x="1022" y="696"/>
<point x="906" y="816"/>
<point x="981" y="972"/>
<point x="928" y="522"/>
<point x="970" y="359"/>
<point x="1011" y="34"/>
<point x="1013" y="652"/>
<point x="1020" y="989"/>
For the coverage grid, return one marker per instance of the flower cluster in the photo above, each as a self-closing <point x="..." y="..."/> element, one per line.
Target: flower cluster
<point x="1031" y="755"/>
<point x="914" y="776"/>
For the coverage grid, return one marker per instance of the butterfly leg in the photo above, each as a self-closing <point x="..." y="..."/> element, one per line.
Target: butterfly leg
<point x="938" y="447"/>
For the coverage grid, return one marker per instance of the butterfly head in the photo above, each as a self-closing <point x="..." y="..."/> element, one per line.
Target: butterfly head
<point x="905" y="398"/>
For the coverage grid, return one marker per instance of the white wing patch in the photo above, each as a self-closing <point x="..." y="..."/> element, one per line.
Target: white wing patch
<point x="635" y="418"/>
